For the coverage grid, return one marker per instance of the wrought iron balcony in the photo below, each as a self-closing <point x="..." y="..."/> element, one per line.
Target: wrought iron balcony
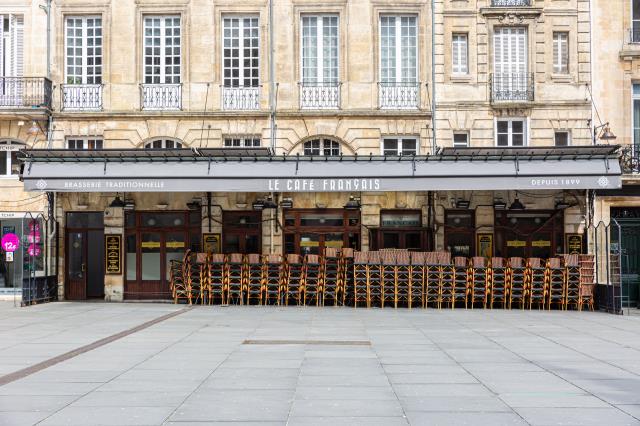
<point x="81" y="97"/>
<point x="317" y="95"/>
<point x="630" y="160"/>
<point x="25" y="92"/>
<point x="392" y="95"/>
<point x="240" y="98"/>
<point x="510" y="3"/>
<point x="161" y="97"/>
<point x="511" y="87"/>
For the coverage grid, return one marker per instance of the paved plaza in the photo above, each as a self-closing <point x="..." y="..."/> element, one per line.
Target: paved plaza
<point x="267" y="366"/>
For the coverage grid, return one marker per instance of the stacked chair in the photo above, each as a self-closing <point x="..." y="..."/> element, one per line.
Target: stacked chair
<point x="517" y="279"/>
<point x="386" y="278"/>
<point x="536" y="282"/>
<point x="555" y="283"/>
<point x="312" y="279"/>
<point x="331" y="274"/>
<point x="480" y="280"/>
<point x="499" y="292"/>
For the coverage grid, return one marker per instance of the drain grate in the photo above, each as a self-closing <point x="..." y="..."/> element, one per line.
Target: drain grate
<point x="309" y="342"/>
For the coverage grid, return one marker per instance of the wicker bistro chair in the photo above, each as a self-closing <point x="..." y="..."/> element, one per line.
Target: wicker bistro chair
<point x="499" y="292"/>
<point x="294" y="282"/>
<point x="312" y="279"/>
<point x="178" y="281"/>
<point x="571" y="281"/>
<point x="388" y="281"/>
<point x="417" y="275"/>
<point x="330" y="276"/>
<point x="254" y="279"/>
<point x="536" y="282"/>
<point x="235" y="279"/>
<point x="201" y="260"/>
<point x="447" y="277"/>
<point x="432" y="280"/>
<point x="193" y="278"/>
<point x="587" y="281"/>
<point x="402" y="289"/>
<point x="346" y="280"/>
<point x="374" y="279"/>
<point x="273" y="270"/>
<point x="461" y="274"/>
<point x="556" y="284"/>
<point x="517" y="280"/>
<point x="216" y="277"/>
<point x="480" y="281"/>
<point x="360" y="288"/>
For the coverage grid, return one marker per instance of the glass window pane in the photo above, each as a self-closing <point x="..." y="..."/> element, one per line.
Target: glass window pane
<point x="150" y="248"/>
<point x="131" y="258"/>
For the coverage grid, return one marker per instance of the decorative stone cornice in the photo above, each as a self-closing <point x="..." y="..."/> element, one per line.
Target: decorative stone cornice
<point x="510" y="15"/>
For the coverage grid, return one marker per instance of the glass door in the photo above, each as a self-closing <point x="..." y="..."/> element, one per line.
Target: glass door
<point x="76" y="266"/>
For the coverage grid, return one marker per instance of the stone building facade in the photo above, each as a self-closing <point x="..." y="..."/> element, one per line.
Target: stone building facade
<point x="305" y="83"/>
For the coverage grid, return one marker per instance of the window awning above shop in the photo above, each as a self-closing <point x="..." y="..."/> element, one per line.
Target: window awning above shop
<point x="255" y="170"/>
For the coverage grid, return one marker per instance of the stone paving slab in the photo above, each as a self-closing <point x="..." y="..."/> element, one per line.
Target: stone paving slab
<point x="394" y="367"/>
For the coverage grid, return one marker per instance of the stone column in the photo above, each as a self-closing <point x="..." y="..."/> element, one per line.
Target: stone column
<point x="114" y="225"/>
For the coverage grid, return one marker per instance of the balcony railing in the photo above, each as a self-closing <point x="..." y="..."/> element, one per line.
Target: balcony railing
<point x="630" y="160"/>
<point x="240" y="98"/>
<point x="81" y="97"/>
<point x="25" y="92"/>
<point x="161" y="97"/>
<point x="510" y="3"/>
<point x="393" y="95"/>
<point x="511" y="87"/>
<point x="316" y="95"/>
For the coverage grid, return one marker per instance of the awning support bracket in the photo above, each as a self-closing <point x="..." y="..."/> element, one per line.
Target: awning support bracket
<point x="517" y="164"/>
<point x="297" y="162"/>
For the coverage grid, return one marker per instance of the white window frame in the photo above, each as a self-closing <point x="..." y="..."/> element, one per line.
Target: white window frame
<point x="85" y="143"/>
<point x="83" y="77"/>
<point x="465" y="134"/>
<point x="525" y="129"/>
<point x="10" y="146"/>
<point x="635" y="126"/>
<point x="148" y="78"/>
<point x="398" y="48"/>
<point x="163" y="143"/>
<point x="556" y="132"/>
<point x="635" y="25"/>
<point x="560" y="52"/>
<point x="401" y="139"/>
<point x="320" y="49"/>
<point x="460" y="51"/>
<point x="247" y="141"/>
<point x="242" y="19"/>
<point x="324" y="145"/>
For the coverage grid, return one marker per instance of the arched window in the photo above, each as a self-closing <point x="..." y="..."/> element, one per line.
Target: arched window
<point x="163" y="144"/>
<point x="321" y="146"/>
<point x="9" y="164"/>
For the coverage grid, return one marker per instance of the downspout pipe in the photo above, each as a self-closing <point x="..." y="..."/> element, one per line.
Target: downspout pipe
<point x="434" y="142"/>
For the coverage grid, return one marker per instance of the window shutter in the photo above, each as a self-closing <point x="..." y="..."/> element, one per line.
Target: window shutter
<point x="556" y="52"/>
<point x="464" y="52"/>
<point x="17" y="45"/>
<point x="521" y="66"/>
<point x="456" y="54"/>
<point x="3" y="71"/>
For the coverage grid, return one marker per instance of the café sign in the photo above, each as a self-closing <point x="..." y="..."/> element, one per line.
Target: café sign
<point x="323" y="185"/>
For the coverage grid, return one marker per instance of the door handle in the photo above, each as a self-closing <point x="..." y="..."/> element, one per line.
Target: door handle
<point x="83" y="268"/>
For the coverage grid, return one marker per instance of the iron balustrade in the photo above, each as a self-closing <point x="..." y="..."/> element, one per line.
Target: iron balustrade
<point x="25" y="92"/>
<point x="319" y="95"/>
<point x="161" y="97"/>
<point x="240" y="98"/>
<point x="394" y="95"/>
<point x="630" y="160"/>
<point x="511" y="87"/>
<point x="510" y="3"/>
<point x="81" y="97"/>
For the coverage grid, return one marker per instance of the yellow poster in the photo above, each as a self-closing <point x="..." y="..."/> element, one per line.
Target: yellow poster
<point x="211" y="243"/>
<point x="150" y="244"/>
<point x="516" y="243"/>
<point x="485" y="245"/>
<point x="541" y="243"/>
<point x="175" y="244"/>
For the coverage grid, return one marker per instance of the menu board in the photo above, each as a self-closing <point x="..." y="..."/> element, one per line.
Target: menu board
<point x="485" y="245"/>
<point x="211" y="243"/>
<point x="573" y="243"/>
<point x="113" y="254"/>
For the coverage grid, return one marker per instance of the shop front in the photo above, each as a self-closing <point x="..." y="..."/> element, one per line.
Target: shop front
<point x="163" y="203"/>
<point x="23" y="248"/>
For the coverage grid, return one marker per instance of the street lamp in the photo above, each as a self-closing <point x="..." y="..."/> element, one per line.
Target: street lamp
<point x="603" y="132"/>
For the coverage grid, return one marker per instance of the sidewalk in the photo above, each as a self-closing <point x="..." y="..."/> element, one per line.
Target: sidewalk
<point x="313" y="366"/>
